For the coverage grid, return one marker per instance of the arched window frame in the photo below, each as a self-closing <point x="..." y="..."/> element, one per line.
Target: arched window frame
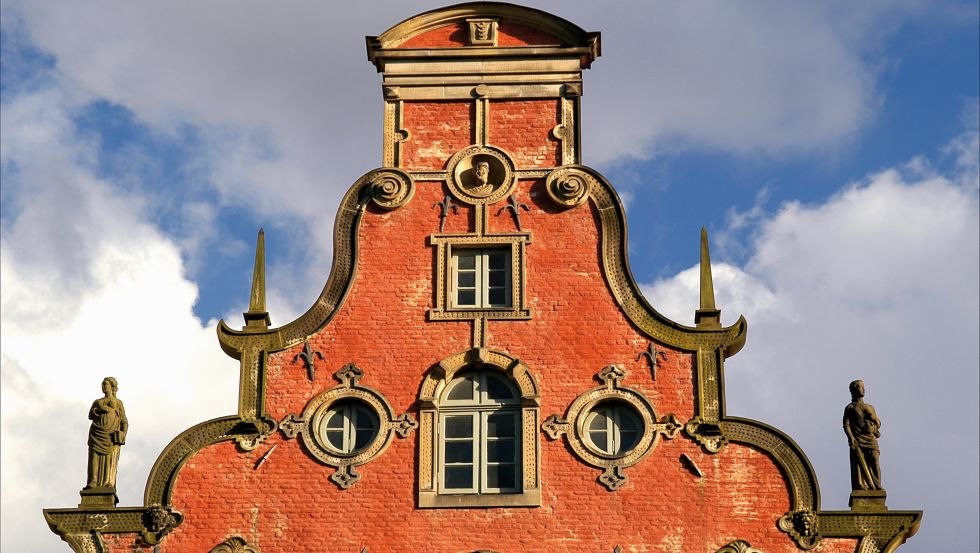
<point x="434" y="406"/>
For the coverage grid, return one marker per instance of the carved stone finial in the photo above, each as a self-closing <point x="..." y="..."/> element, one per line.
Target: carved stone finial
<point x="105" y="438"/>
<point x="863" y="428"/>
<point x="257" y="318"/>
<point x="707" y="316"/>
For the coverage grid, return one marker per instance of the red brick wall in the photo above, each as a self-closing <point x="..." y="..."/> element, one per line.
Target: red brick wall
<point x="523" y="129"/>
<point x="289" y="504"/>
<point x="457" y="34"/>
<point x="438" y="130"/>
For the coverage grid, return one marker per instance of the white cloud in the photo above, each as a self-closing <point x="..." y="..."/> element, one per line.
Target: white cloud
<point x="879" y="283"/>
<point x="282" y="93"/>
<point x="89" y="290"/>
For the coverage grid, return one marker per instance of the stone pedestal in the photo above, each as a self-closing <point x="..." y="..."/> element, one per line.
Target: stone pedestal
<point x="867" y="500"/>
<point x="98" y="498"/>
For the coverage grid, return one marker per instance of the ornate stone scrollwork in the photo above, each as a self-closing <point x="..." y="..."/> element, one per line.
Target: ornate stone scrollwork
<point x="342" y="405"/>
<point x="569" y="186"/>
<point x="253" y="433"/>
<point x="803" y="526"/>
<point x="391" y="188"/>
<point x="235" y="544"/>
<point x="612" y="427"/>
<point x="707" y="434"/>
<point x="158" y="521"/>
<point x="739" y="546"/>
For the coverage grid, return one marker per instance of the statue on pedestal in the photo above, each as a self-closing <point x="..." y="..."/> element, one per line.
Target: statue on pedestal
<point x="105" y="436"/>
<point x="862" y="427"/>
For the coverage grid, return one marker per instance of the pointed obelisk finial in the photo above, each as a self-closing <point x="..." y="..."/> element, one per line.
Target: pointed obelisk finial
<point x="257" y="318"/>
<point x="707" y="316"/>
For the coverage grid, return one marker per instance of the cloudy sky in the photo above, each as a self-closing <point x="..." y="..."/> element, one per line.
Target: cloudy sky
<point x="830" y="148"/>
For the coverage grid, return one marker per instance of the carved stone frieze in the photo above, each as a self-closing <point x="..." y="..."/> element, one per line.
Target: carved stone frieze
<point x="574" y="426"/>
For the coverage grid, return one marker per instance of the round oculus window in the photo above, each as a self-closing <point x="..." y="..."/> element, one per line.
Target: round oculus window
<point x="348" y="426"/>
<point x="613" y="428"/>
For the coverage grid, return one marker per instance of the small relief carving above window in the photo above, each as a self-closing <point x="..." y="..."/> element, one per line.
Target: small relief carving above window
<point x="483" y="32"/>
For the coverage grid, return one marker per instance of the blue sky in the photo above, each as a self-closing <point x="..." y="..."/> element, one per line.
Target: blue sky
<point x="829" y="148"/>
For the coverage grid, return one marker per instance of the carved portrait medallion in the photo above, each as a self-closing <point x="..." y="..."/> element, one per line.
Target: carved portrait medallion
<point x="481" y="175"/>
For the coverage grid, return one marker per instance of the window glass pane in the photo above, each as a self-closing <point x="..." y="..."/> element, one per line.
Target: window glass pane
<point x="466" y="260"/>
<point x="627" y="440"/>
<point x="497" y="297"/>
<point x="459" y="426"/>
<point x="459" y="452"/>
<point x="459" y="477"/>
<point x="598" y="420"/>
<point x="467" y="279"/>
<point x="628" y="418"/>
<point x="497" y="278"/>
<point x="462" y="389"/>
<point x="497" y="260"/>
<point x="466" y="297"/>
<point x="497" y="389"/>
<point x="335" y="438"/>
<point x="500" y="425"/>
<point x="598" y="439"/>
<point x="335" y="418"/>
<point x="501" y="476"/>
<point x="361" y="439"/>
<point x="500" y="451"/>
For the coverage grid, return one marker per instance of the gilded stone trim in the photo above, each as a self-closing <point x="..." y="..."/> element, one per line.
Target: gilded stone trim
<point x="307" y="425"/>
<point x="572" y="426"/>
<point x="431" y="390"/>
<point x="83" y="529"/>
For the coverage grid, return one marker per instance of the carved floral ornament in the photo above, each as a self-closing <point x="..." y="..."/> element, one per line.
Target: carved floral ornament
<point x="347" y="426"/>
<point x="604" y="415"/>
<point x="235" y="544"/>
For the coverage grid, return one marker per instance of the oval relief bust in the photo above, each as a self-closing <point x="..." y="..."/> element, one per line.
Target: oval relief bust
<point x="481" y="175"/>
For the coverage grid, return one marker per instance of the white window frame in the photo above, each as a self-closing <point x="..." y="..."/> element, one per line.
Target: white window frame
<point x="480" y="408"/>
<point x="348" y="409"/>
<point x="615" y="412"/>
<point x="481" y="272"/>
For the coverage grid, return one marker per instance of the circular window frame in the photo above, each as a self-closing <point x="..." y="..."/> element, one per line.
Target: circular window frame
<point x="585" y="433"/>
<point x="586" y="403"/>
<point x="322" y="416"/>
<point x="316" y="411"/>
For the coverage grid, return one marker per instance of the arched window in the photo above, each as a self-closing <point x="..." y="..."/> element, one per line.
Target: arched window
<point x="479" y="435"/>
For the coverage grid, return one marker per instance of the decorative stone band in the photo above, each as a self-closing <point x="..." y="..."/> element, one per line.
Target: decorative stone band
<point x="82" y="529"/>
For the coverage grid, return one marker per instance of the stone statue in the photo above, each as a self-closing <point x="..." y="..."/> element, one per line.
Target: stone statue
<point x="481" y="172"/>
<point x="861" y="425"/>
<point x="105" y="436"/>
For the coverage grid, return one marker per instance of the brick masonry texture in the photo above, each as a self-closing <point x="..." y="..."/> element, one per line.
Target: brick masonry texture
<point x="456" y="35"/>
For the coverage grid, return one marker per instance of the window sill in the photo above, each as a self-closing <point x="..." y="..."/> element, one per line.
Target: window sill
<point x="433" y="500"/>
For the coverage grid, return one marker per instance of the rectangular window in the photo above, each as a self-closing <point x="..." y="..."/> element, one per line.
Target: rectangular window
<point x="481" y="279"/>
<point x="480" y="452"/>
